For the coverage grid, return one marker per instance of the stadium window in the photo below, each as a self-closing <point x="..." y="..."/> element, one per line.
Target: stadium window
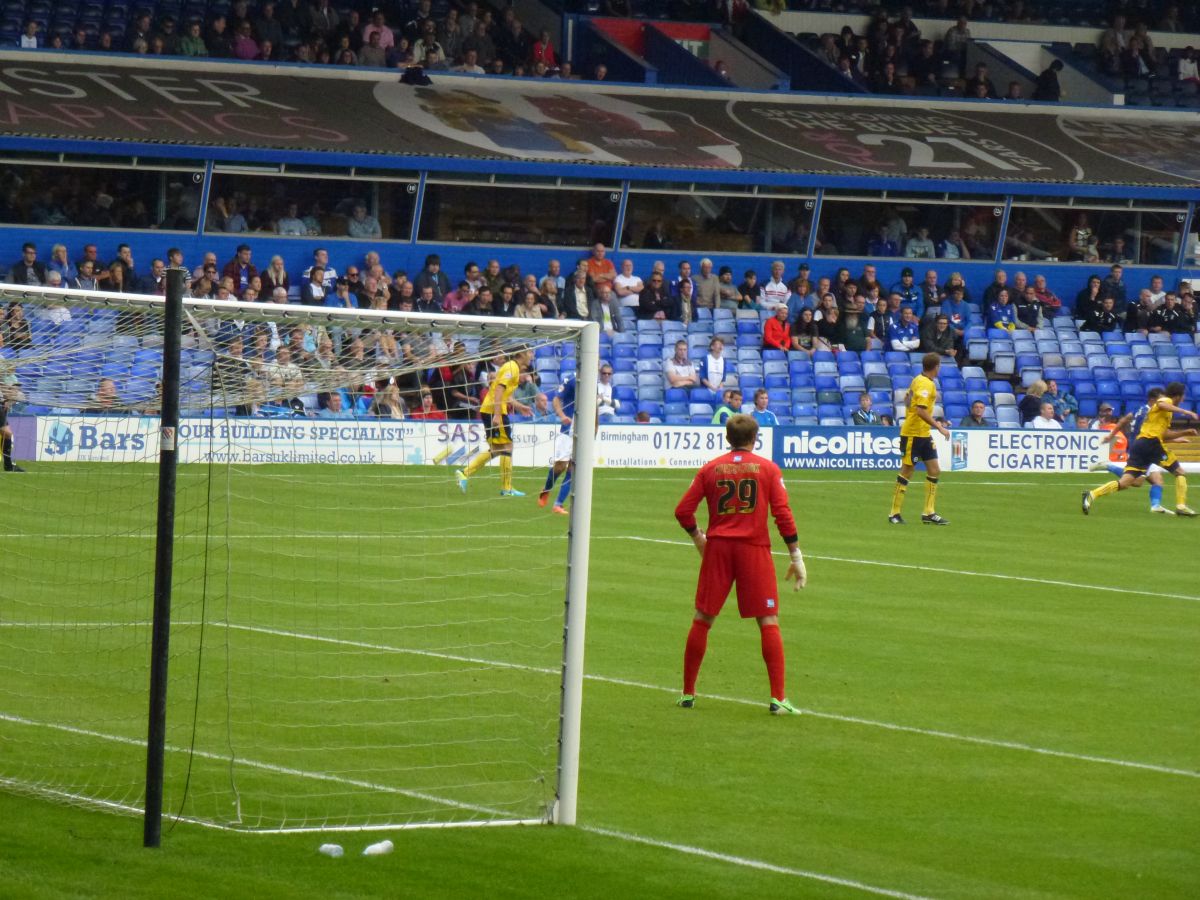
<point x="1080" y="233"/>
<point x="731" y="222"/>
<point x="532" y="214"/>
<point x="63" y="194"/>
<point x="298" y="203"/>
<point x="935" y="226"/>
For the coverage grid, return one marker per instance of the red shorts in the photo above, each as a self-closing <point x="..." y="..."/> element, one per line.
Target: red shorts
<point x="753" y="570"/>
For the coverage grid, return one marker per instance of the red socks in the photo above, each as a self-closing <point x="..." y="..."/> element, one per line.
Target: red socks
<point x="772" y="651"/>
<point x="693" y="654"/>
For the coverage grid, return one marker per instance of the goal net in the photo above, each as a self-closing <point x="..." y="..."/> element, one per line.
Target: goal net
<point x="355" y="641"/>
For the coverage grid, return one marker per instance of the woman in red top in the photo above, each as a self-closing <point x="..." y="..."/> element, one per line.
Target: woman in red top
<point x="777" y="334"/>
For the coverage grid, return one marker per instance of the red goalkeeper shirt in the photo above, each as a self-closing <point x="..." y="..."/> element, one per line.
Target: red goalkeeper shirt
<point x="739" y="487"/>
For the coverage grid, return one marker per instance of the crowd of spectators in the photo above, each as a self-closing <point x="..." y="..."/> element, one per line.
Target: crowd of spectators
<point x="893" y="56"/>
<point x="800" y="313"/>
<point x="467" y="37"/>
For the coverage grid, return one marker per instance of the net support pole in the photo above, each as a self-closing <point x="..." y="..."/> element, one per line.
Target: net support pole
<point x="579" y="545"/>
<point x="156" y="736"/>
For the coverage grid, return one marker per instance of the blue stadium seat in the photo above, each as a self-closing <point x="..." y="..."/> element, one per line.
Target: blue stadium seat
<point x="700" y="409"/>
<point x="777" y="381"/>
<point x="779" y="396"/>
<point x="803" y="410"/>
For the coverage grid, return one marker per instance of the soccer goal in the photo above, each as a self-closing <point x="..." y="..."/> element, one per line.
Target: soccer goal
<point x="354" y="642"/>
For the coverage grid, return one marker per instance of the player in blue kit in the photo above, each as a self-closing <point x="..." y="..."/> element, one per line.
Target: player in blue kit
<point x="562" y="459"/>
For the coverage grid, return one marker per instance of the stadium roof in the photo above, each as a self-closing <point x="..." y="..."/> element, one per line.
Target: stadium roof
<point x="124" y="101"/>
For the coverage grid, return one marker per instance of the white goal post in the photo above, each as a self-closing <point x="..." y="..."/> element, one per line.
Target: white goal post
<point x="356" y="643"/>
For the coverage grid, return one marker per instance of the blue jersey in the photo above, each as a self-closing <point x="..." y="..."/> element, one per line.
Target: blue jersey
<point x="566" y="396"/>
<point x="1139" y="419"/>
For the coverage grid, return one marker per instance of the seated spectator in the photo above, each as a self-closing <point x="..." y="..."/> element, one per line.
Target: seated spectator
<point x="244" y="45"/>
<point x="829" y="330"/>
<point x="606" y="403"/>
<point x="981" y="80"/>
<point x="579" y="297"/>
<point x="28" y="270"/>
<point x="1015" y="91"/>
<point x="60" y="262"/>
<point x="528" y="307"/>
<point x="1029" y="309"/>
<point x="1186" y="67"/>
<point x="775" y="292"/>
<point x="654" y="301"/>
<point x="975" y="419"/>
<point x="627" y="284"/>
<point x="433" y="276"/>
<point x="1113" y="286"/>
<point x="911" y="295"/>
<point x="1047" y="88"/>
<point x="387" y="403"/>
<point x="684" y="301"/>
<point x="1030" y="405"/>
<point x="905" y="334"/>
<point x="958" y="312"/>
<point x="761" y="414"/>
<point x="312" y="292"/>
<point x="1001" y="313"/>
<point x="1044" y="420"/>
<point x="865" y="415"/>
<point x="706" y="286"/>
<point x="275" y="275"/>
<point x="952" y="246"/>
<point x="106" y="398"/>
<point x="1139" y="317"/>
<point x="749" y="291"/>
<point x="1046" y="297"/>
<point x="600" y="269"/>
<point x="1170" y="317"/>
<point x="361" y="224"/>
<point x="240" y="269"/>
<point x="335" y="407"/>
<point x="290" y="222"/>
<point x="938" y="337"/>
<point x="192" y="43"/>
<point x="1065" y="404"/>
<point x="855" y="330"/>
<point x="776" y="332"/>
<point x="731" y="404"/>
<point x="678" y="369"/>
<point x="882" y="245"/>
<point x="728" y="296"/>
<point x="712" y="369"/>
<point x="606" y="309"/>
<point x="920" y="246"/>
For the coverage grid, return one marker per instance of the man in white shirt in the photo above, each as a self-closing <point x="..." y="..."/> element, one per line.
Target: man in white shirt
<point x="775" y="292"/>
<point x="1157" y="294"/>
<point x="679" y="371"/>
<point x="626" y="283"/>
<point x="1044" y="420"/>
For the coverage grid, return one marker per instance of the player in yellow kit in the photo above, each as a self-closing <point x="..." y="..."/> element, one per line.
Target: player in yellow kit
<point x="915" y="443"/>
<point x="494" y="409"/>
<point x="1149" y="449"/>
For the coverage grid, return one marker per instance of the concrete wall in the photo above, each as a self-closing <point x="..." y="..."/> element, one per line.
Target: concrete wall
<point x="746" y="68"/>
<point x="1077" y="86"/>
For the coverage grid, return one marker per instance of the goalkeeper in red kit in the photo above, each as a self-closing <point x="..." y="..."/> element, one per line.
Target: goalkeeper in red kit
<point x="739" y="487"/>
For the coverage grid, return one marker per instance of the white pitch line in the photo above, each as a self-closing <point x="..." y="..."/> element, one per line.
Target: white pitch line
<point x="834" y="717"/>
<point x="249" y="763"/>
<point x="751" y="863"/>
<point x="894" y="565"/>
<point x="625" y="682"/>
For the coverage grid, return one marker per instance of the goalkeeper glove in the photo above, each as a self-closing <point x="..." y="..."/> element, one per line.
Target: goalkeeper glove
<point x="796" y="572"/>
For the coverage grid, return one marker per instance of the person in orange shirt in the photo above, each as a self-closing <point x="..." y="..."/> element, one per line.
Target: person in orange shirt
<point x="599" y="268"/>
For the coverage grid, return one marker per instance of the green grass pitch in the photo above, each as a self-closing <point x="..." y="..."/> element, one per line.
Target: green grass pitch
<point x="1005" y="708"/>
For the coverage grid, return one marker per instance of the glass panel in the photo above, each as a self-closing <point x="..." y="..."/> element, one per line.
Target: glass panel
<point x="1192" y="255"/>
<point x="716" y="223"/>
<point x="482" y="214"/>
<point x="912" y="230"/>
<point x="302" y="207"/>
<point x="65" y="196"/>
<point x="1054" y="234"/>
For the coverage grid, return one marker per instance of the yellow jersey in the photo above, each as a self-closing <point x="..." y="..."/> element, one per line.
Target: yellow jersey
<point x="921" y="393"/>
<point x="1157" y="420"/>
<point x="501" y="389"/>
